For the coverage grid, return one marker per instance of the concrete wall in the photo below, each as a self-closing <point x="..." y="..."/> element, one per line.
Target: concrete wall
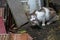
<point x="17" y="11"/>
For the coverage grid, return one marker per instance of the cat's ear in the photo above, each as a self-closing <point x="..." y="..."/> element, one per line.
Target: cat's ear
<point x="34" y="12"/>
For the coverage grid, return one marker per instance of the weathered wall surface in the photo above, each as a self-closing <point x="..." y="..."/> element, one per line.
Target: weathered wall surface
<point x="56" y="1"/>
<point x="17" y="11"/>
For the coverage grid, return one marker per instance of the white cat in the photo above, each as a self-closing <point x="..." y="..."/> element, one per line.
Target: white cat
<point x="43" y="15"/>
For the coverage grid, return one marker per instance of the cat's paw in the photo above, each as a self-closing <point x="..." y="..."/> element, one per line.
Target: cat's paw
<point x="48" y="23"/>
<point x="43" y="24"/>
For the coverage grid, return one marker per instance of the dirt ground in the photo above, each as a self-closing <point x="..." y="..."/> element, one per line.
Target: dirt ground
<point x="49" y="32"/>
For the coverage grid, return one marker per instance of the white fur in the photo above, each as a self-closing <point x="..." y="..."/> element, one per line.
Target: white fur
<point x="47" y="14"/>
<point x="42" y="16"/>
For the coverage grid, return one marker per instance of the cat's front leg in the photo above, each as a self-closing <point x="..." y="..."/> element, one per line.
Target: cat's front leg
<point x="43" y="21"/>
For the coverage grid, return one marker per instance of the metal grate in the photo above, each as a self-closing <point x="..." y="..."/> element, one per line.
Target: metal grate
<point x="4" y="37"/>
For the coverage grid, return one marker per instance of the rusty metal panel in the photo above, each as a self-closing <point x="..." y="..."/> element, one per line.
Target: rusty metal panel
<point x="24" y="36"/>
